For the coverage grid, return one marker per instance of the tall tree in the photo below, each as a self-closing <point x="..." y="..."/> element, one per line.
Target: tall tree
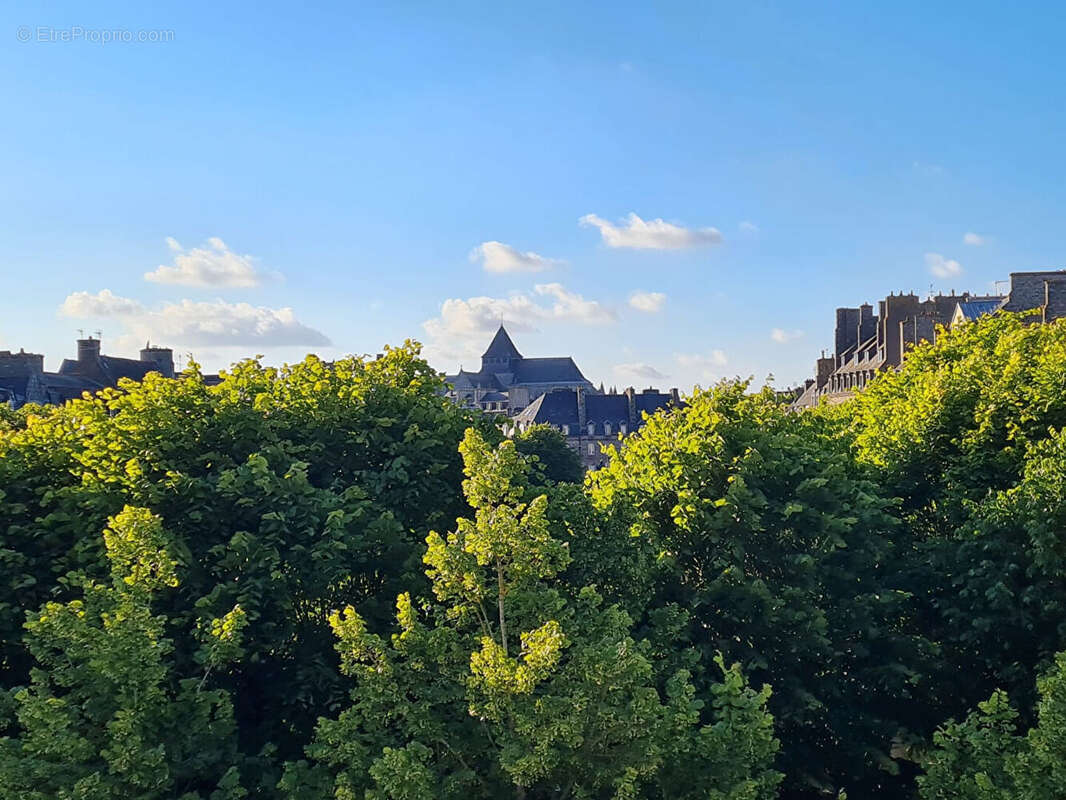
<point x="289" y="492"/>
<point x="515" y="684"/>
<point x="104" y="716"/>
<point x="756" y="522"/>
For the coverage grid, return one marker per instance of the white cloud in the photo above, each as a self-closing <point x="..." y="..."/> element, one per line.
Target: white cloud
<point x="571" y="306"/>
<point x="187" y="322"/>
<point x="500" y="257"/>
<point x="213" y="265"/>
<point x="748" y="227"/>
<point x="781" y="336"/>
<point x="637" y="371"/>
<point x="973" y="239"/>
<point x="655" y="234"/>
<point x="461" y="329"/>
<point x="649" y="302"/>
<point x="102" y="304"/>
<point x="942" y="267"/>
<point x="703" y="365"/>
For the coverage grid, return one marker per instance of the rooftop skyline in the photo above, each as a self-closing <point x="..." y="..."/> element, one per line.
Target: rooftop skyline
<point x="668" y="196"/>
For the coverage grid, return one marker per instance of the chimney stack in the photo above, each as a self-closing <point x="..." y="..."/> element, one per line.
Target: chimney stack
<point x="162" y="357"/>
<point x="581" y="416"/>
<point x="88" y="350"/>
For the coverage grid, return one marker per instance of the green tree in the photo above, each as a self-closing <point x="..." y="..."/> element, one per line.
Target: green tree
<point x="969" y="435"/>
<point x="984" y="758"/>
<point x="757" y="523"/>
<point x="555" y="461"/>
<point x="288" y="492"/>
<point x="103" y="716"/>
<point x="957" y="420"/>
<point x="515" y="684"/>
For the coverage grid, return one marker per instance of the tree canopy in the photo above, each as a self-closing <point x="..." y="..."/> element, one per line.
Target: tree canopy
<point x="325" y="580"/>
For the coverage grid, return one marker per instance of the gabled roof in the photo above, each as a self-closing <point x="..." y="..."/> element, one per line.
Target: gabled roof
<point x="548" y="370"/>
<point x="553" y="408"/>
<point x="501" y="346"/>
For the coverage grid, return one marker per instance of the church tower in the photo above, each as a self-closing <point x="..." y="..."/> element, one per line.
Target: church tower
<point x="501" y="355"/>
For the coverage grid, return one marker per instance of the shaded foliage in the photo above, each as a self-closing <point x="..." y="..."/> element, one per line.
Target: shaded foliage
<point x="554" y="460"/>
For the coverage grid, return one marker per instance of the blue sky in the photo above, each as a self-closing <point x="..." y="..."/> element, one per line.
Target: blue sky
<point x="340" y="177"/>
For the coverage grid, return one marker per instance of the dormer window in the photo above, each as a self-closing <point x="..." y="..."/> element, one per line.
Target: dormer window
<point x="607" y="428"/>
<point x="592" y="429"/>
<point x="566" y="430"/>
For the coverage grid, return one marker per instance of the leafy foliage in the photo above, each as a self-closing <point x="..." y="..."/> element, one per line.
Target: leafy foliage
<point x="285" y="492"/>
<point x="755" y="521"/>
<point x="516" y="684"/>
<point x="983" y="757"/>
<point x="969" y="434"/>
<point x="554" y="460"/>
<point x="102" y="716"/>
<point x="269" y="612"/>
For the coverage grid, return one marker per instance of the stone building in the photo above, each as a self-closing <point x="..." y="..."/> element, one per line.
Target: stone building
<point x="866" y="343"/>
<point x="508" y="381"/>
<point x="24" y="380"/>
<point x="591" y="421"/>
<point x="1042" y="292"/>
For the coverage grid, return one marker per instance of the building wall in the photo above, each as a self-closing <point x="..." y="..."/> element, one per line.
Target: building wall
<point x="14" y="365"/>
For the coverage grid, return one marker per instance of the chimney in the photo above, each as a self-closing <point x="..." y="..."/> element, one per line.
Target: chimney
<point x="162" y="357"/>
<point x="581" y="409"/>
<point x="631" y="402"/>
<point x="823" y="368"/>
<point x="88" y="350"/>
<point x="675" y="396"/>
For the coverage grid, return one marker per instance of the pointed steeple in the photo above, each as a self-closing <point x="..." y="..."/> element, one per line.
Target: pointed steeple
<point x="502" y="347"/>
<point x="501" y="353"/>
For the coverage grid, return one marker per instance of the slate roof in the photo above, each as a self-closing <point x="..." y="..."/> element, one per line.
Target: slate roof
<point x="552" y="408"/>
<point x="547" y="370"/>
<point x="501" y="346"/>
<point x="650" y="402"/>
<point x="560" y="408"/>
<point x="978" y="308"/>
<point x="108" y="369"/>
<point x="15" y="384"/>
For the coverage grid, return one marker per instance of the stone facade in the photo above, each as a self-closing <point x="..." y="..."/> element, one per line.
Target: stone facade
<point x="23" y="378"/>
<point x="592" y="422"/>
<point x="1043" y="293"/>
<point x="868" y="343"/>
